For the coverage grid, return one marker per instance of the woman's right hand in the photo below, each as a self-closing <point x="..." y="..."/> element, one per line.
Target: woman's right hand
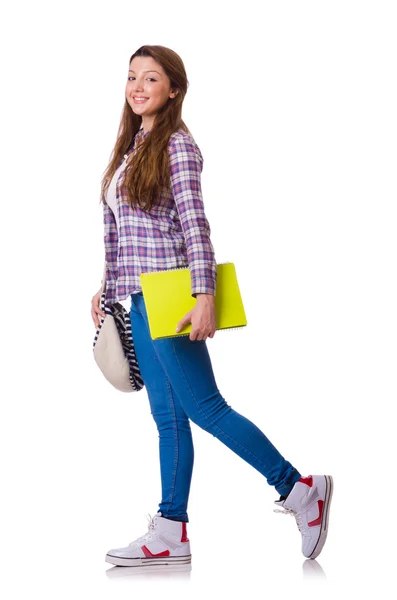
<point x="95" y="308"/>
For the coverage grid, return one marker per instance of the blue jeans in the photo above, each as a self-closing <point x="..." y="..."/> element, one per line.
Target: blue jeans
<point x="180" y="385"/>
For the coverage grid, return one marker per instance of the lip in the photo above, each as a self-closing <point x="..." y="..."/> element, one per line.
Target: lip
<point x="139" y="101"/>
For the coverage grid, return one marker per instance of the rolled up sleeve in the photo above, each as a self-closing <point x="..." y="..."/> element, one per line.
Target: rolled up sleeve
<point x="186" y="164"/>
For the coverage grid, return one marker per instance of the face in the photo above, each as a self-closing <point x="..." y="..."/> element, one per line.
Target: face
<point x="148" y="88"/>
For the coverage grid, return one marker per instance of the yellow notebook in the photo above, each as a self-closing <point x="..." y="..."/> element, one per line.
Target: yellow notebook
<point x="168" y="298"/>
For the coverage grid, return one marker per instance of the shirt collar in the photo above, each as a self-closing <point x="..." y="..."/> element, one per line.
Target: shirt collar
<point x="141" y="130"/>
<point x="139" y="135"/>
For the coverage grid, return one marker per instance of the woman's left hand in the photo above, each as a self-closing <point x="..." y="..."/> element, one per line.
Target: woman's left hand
<point x="202" y="317"/>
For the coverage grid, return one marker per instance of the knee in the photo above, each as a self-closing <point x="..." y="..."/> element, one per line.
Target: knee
<point x="208" y="415"/>
<point x="170" y="422"/>
<point x="201" y="420"/>
<point x="164" y="420"/>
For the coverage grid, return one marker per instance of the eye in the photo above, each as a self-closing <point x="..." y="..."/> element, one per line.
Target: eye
<point x="132" y="77"/>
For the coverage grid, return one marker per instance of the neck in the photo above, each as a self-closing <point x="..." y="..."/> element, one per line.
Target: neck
<point x="147" y="124"/>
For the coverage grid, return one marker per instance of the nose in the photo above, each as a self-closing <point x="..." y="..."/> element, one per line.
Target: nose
<point x="138" y="85"/>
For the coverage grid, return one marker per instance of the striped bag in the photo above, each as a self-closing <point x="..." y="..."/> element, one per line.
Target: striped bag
<point x="113" y="347"/>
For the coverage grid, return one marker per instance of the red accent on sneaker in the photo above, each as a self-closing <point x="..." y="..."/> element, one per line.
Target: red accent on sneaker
<point x="320" y="515"/>
<point x="307" y="480"/>
<point x="149" y="554"/>
<point x="184" y="537"/>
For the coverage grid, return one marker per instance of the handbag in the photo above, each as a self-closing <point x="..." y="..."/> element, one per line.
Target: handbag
<point x="113" y="346"/>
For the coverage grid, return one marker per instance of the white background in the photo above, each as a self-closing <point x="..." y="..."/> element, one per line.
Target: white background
<point x="293" y="105"/>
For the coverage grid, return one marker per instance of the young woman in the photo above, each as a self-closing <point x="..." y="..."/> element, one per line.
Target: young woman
<point x="154" y="220"/>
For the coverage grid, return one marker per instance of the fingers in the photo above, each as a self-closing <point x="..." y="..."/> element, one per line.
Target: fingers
<point x="199" y="337"/>
<point x="95" y="318"/>
<point x="180" y="325"/>
<point x="95" y="311"/>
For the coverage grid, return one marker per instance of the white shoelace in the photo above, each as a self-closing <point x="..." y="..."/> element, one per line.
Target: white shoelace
<point x="298" y="517"/>
<point x="148" y="535"/>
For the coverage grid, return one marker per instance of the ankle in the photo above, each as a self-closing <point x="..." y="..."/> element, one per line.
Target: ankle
<point x="176" y="519"/>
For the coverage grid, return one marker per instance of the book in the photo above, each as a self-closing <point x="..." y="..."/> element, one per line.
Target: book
<point x="167" y="296"/>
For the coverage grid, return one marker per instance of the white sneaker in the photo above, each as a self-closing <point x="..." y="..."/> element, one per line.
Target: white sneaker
<point x="165" y="543"/>
<point x="309" y="502"/>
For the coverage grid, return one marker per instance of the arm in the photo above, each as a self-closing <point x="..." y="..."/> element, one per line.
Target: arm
<point x="186" y="164"/>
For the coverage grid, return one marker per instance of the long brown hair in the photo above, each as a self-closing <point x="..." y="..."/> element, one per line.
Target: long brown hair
<point x="147" y="174"/>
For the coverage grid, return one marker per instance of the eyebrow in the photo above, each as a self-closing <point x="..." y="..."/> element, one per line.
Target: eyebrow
<point x="149" y="71"/>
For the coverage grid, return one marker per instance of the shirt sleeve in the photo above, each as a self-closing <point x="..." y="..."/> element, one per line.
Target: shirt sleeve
<point x="186" y="165"/>
<point x="110" y="236"/>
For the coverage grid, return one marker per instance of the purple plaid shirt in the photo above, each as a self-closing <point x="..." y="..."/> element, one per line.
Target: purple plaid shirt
<point x="175" y="234"/>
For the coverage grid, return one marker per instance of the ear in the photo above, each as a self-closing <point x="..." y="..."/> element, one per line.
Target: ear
<point x="173" y="94"/>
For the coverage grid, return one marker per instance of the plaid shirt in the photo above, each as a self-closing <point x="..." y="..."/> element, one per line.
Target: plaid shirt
<point x="175" y="234"/>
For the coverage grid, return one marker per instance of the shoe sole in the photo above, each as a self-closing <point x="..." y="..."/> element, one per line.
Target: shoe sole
<point x="148" y="562"/>
<point x="329" y="488"/>
<point x="184" y="571"/>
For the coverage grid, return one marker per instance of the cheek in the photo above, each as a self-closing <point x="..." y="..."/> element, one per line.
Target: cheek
<point x="159" y="95"/>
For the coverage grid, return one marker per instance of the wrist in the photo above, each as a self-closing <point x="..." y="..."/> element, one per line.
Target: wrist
<point x="209" y="297"/>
